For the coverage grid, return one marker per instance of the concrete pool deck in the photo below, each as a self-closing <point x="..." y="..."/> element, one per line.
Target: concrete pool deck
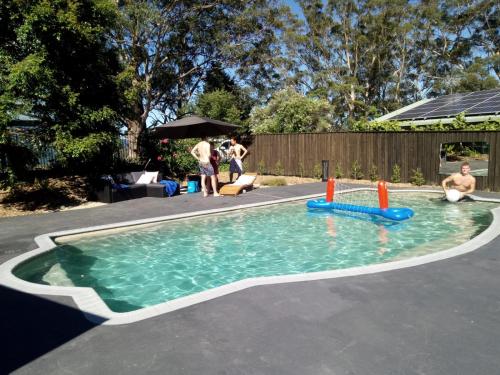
<point x="436" y="318"/>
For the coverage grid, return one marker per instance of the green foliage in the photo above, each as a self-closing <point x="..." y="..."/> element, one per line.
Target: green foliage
<point x="396" y="174"/>
<point x="356" y="171"/>
<point x="58" y="66"/>
<point x="364" y="125"/>
<point x="87" y="152"/>
<point x="261" y="167"/>
<point x="279" y="170"/>
<point x="175" y="157"/>
<point x="219" y="105"/>
<point x="291" y="112"/>
<point x="168" y="50"/>
<point x="224" y="167"/>
<point x="458" y="124"/>
<point x="301" y="169"/>
<point x="277" y="181"/>
<point x="373" y="173"/>
<point x="317" y="171"/>
<point x="372" y="57"/>
<point x="338" y="171"/>
<point x="417" y="178"/>
<point x="16" y="161"/>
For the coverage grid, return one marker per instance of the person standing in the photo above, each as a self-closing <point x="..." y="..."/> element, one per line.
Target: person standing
<point x="201" y="152"/>
<point x="237" y="152"/>
<point x="214" y="160"/>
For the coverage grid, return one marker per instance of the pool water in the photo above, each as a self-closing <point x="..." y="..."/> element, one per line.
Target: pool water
<point x="144" y="266"/>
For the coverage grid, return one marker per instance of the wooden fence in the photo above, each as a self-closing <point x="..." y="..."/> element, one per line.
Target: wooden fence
<point x="410" y="150"/>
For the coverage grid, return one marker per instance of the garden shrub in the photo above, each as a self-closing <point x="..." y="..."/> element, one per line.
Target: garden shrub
<point x="175" y="159"/>
<point x="338" y="171"/>
<point x="373" y="173"/>
<point x="356" y="172"/>
<point x="261" y="167"/>
<point x="396" y="174"/>
<point x="301" y="170"/>
<point x="317" y="171"/>
<point x="417" y="178"/>
<point x="278" y="169"/>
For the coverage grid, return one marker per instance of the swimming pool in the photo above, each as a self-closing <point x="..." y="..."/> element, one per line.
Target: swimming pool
<point x="145" y="266"/>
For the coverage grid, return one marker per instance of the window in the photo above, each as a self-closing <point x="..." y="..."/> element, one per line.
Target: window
<point x="453" y="154"/>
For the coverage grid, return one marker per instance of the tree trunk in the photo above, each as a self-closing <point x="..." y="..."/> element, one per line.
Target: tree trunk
<point x="135" y="130"/>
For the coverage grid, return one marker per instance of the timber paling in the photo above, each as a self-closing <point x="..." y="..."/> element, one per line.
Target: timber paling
<point x="410" y="150"/>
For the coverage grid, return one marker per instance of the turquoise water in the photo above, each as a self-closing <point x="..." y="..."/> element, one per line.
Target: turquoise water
<point x="144" y="266"/>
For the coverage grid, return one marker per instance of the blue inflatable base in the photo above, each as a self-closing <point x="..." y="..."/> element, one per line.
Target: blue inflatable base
<point x="396" y="214"/>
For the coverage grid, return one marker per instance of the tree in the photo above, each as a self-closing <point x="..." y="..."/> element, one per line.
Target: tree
<point x="219" y="105"/>
<point x="368" y="57"/>
<point x="452" y="37"/>
<point x="475" y="77"/>
<point x="291" y="112"/>
<point x="57" y="66"/>
<point x="167" y="48"/>
<point x="354" y="53"/>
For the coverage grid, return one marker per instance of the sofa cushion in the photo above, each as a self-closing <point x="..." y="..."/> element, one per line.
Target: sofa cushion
<point x="136" y="176"/>
<point x="154" y="180"/>
<point x="145" y="179"/>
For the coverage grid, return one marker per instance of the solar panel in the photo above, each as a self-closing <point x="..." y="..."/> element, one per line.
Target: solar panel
<point x="473" y="103"/>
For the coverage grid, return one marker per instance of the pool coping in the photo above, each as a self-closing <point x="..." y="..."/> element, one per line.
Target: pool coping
<point x="95" y="310"/>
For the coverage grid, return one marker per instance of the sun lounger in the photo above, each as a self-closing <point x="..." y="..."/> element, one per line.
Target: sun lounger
<point x="244" y="182"/>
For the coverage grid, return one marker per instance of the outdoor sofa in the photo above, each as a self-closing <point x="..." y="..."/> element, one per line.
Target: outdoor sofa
<point x="132" y="185"/>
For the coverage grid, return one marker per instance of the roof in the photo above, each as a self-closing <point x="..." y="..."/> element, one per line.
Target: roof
<point x="477" y="106"/>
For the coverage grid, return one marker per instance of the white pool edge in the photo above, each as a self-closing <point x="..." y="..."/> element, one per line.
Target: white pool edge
<point x="94" y="308"/>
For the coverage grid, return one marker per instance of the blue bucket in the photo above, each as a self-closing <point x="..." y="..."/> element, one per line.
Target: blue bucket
<point x="192" y="187"/>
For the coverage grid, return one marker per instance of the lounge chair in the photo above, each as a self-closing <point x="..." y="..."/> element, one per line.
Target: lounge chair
<point x="244" y="182"/>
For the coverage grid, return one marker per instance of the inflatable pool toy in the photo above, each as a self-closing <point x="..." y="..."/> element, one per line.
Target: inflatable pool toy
<point x="396" y="214"/>
<point x="452" y="195"/>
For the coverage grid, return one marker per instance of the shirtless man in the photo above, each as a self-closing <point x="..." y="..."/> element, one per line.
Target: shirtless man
<point x="201" y="152"/>
<point x="463" y="181"/>
<point x="237" y="152"/>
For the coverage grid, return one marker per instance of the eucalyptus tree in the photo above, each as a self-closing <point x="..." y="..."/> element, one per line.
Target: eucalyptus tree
<point x="457" y="41"/>
<point x="354" y="53"/>
<point x="167" y="47"/>
<point x="372" y="56"/>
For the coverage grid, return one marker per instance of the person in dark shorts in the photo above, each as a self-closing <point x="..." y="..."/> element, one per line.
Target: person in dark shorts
<point x="237" y="152"/>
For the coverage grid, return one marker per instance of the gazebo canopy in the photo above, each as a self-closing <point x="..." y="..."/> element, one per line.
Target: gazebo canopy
<point x="194" y="127"/>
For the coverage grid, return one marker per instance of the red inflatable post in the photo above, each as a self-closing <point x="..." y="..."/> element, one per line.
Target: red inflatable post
<point x="383" y="195"/>
<point x="330" y="188"/>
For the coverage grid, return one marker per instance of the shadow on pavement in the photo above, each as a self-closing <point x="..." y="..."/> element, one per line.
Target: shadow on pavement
<point x="32" y="326"/>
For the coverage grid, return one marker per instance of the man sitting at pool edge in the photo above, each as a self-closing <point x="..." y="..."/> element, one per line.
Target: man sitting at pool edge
<point x="464" y="182"/>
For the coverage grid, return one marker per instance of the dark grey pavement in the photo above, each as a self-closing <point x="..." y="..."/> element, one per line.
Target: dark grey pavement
<point x="439" y="318"/>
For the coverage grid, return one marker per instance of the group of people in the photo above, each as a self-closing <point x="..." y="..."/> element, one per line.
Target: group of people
<point x="208" y="161"/>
